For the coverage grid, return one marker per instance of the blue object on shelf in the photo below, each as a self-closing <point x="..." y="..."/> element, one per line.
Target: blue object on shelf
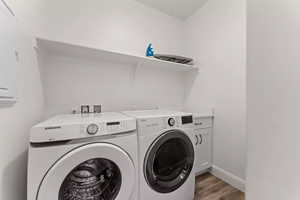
<point x="149" y="51"/>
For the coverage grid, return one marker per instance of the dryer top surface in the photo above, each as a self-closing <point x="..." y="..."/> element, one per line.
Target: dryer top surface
<point x="155" y="113"/>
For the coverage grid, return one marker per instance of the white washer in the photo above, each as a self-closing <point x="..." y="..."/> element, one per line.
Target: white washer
<point x="166" y="155"/>
<point x="76" y="157"/>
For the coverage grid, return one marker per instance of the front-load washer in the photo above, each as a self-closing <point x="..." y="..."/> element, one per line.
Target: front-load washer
<point x="83" y="157"/>
<point x="166" y="155"/>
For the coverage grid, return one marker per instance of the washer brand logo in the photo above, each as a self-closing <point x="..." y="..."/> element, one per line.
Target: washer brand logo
<point x="52" y="127"/>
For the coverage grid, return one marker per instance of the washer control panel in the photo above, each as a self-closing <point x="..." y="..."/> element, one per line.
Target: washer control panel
<point x="78" y="126"/>
<point x="105" y="128"/>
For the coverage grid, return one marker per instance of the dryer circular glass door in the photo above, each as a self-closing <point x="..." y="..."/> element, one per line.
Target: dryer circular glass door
<point x="97" y="171"/>
<point x="169" y="161"/>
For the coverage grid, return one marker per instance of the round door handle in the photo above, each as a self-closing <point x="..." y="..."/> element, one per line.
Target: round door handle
<point x="201" y="138"/>
<point x="197" y="140"/>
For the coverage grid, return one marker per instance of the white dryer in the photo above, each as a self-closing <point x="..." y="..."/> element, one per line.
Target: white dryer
<point x="76" y="157"/>
<point x="166" y="155"/>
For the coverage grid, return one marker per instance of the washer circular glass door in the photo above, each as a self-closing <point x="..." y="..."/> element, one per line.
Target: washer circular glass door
<point x="169" y="161"/>
<point x="97" y="171"/>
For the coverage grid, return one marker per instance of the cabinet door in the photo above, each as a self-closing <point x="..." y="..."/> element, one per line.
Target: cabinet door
<point x="203" y="149"/>
<point x="8" y="63"/>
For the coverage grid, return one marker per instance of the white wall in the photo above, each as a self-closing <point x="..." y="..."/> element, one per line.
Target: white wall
<point x="216" y="37"/>
<point x="273" y="100"/>
<point x="15" y="121"/>
<point x="122" y="26"/>
<point x="70" y="82"/>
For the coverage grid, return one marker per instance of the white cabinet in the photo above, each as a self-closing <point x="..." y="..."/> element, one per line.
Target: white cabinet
<point x="203" y="143"/>
<point x="8" y="62"/>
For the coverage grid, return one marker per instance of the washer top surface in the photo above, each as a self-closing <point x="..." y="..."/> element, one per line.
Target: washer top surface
<point x="73" y="119"/>
<point x="154" y="113"/>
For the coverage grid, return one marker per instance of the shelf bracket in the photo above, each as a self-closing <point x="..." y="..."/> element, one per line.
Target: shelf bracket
<point x="135" y="70"/>
<point x="8" y="8"/>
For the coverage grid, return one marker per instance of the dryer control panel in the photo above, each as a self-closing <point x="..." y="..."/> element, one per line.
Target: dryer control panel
<point x="153" y="125"/>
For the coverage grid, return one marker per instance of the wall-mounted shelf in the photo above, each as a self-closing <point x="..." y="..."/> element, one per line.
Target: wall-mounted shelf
<point x="114" y="57"/>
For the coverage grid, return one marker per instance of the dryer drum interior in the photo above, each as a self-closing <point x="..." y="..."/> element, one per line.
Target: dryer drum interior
<point x="169" y="161"/>
<point x="95" y="179"/>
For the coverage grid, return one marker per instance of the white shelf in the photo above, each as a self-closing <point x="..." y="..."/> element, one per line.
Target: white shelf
<point x="115" y="57"/>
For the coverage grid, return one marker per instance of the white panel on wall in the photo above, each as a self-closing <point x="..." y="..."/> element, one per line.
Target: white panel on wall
<point x="8" y="62"/>
<point x="16" y="121"/>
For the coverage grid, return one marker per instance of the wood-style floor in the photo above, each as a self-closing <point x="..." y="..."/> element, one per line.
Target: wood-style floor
<point x="208" y="187"/>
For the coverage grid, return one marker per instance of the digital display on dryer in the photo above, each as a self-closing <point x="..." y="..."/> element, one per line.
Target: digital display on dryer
<point x="187" y="119"/>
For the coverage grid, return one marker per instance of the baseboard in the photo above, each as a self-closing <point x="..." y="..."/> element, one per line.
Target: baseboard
<point x="203" y="171"/>
<point x="228" y="178"/>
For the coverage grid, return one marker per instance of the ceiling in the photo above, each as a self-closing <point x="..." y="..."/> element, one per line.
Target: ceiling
<point x="177" y="8"/>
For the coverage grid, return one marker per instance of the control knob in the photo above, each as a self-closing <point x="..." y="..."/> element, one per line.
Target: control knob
<point x="92" y="129"/>
<point x="171" y="121"/>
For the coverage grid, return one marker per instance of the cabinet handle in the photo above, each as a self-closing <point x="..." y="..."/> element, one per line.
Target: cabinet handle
<point x="201" y="138"/>
<point x="197" y="140"/>
<point x="1" y="88"/>
<point x="198" y="124"/>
